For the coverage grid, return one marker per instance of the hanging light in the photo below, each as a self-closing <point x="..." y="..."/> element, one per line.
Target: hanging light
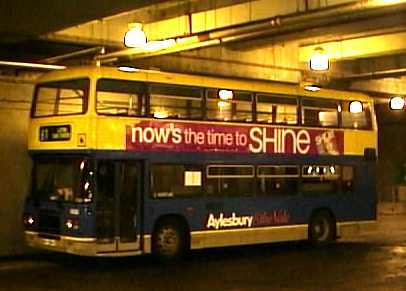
<point x="225" y="94"/>
<point x="135" y="36"/>
<point x="396" y="103"/>
<point x="319" y="61"/>
<point x="356" y="107"/>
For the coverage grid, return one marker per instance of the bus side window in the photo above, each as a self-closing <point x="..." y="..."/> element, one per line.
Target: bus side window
<point x="230" y="180"/>
<point x="168" y="181"/>
<point x="359" y="120"/>
<point x="276" y="109"/>
<point x="322" y="113"/>
<point x="278" y="180"/>
<point x="119" y="97"/>
<point x="238" y="107"/>
<point x="320" y="179"/>
<point x="348" y="178"/>
<point x="170" y="101"/>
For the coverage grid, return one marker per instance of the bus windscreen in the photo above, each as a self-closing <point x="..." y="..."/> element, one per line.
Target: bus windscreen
<point x="63" y="180"/>
<point x="60" y="98"/>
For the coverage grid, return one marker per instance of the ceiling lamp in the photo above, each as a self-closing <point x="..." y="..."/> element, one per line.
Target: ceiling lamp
<point x="396" y="103"/>
<point x="135" y="36"/>
<point x="225" y="94"/>
<point x="319" y="61"/>
<point x="356" y="106"/>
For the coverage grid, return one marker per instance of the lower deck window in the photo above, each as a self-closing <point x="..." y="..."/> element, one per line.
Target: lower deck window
<point x="169" y="180"/>
<point x="230" y="180"/>
<point x="175" y="181"/>
<point x="277" y="180"/>
<point x="327" y="179"/>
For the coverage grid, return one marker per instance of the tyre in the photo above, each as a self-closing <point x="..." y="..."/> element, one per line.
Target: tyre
<point x="170" y="240"/>
<point x="322" y="229"/>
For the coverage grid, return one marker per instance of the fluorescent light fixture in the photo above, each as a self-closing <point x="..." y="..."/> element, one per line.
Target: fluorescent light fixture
<point x="32" y="65"/>
<point x="356" y="107"/>
<point x="319" y="61"/>
<point x="312" y="88"/>
<point x="157" y="45"/>
<point x="396" y="103"/>
<point x="135" y="36"/>
<point x="127" y="69"/>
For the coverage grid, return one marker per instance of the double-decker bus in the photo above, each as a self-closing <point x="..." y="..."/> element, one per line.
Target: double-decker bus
<point x="127" y="163"/>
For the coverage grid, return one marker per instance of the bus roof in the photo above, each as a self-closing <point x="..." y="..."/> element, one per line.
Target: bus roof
<point x="283" y="88"/>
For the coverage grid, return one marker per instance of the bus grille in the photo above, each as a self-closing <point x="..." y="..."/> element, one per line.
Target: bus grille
<point x="48" y="223"/>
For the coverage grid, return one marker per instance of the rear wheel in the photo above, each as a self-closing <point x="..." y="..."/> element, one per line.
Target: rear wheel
<point x="322" y="230"/>
<point x="169" y="240"/>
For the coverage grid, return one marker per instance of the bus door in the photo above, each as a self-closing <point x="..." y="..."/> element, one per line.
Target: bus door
<point x="118" y="200"/>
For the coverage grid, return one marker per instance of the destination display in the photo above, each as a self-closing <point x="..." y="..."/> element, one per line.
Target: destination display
<point x="55" y="133"/>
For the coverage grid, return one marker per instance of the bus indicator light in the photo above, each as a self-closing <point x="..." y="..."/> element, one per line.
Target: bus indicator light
<point x="396" y="103"/>
<point x="81" y="139"/>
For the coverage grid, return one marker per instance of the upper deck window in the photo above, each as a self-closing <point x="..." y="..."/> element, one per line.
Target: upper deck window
<point x="61" y="98"/>
<point x="276" y="109"/>
<point x="171" y="101"/>
<point x="316" y="112"/>
<point x="237" y="108"/>
<point x="119" y="97"/>
<point x="359" y="120"/>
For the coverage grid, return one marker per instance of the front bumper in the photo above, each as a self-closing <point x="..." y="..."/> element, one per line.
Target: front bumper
<point x="72" y="245"/>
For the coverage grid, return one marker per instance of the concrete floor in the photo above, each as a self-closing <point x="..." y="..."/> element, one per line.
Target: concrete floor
<point x="373" y="261"/>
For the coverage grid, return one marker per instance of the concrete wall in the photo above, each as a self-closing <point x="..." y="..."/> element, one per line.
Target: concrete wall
<point x="15" y="164"/>
<point x="278" y="62"/>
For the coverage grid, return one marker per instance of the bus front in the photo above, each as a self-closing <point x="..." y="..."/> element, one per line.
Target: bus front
<point x="59" y="210"/>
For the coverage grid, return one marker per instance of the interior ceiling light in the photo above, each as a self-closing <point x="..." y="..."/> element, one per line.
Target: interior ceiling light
<point x="127" y="69"/>
<point x="356" y="107"/>
<point x="135" y="36"/>
<point x="396" y="103"/>
<point x="223" y="104"/>
<point x="319" y="61"/>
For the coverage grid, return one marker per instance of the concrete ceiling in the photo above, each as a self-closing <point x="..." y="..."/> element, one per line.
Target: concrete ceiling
<point x="268" y="39"/>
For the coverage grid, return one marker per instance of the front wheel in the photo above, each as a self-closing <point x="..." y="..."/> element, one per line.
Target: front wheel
<point x="322" y="230"/>
<point x="169" y="240"/>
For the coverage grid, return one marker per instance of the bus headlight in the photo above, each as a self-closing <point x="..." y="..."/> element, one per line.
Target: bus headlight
<point x="72" y="224"/>
<point x="29" y="220"/>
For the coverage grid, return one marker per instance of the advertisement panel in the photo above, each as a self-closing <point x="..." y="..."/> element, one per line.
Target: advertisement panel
<point x="193" y="137"/>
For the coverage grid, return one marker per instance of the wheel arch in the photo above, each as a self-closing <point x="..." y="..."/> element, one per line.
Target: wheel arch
<point x="325" y="210"/>
<point x="174" y="218"/>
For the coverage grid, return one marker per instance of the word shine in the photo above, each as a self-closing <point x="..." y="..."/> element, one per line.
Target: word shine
<point x="223" y="221"/>
<point x="278" y="139"/>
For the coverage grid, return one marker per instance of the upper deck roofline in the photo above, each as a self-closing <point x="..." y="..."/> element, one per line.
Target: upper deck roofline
<point x="200" y="80"/>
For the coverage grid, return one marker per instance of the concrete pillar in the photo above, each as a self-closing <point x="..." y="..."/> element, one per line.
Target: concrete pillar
<point x="15" y="164"/>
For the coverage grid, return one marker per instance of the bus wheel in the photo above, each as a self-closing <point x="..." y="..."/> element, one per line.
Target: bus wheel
<point x="169" y="240"/>
<point x="322" y="230"/>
